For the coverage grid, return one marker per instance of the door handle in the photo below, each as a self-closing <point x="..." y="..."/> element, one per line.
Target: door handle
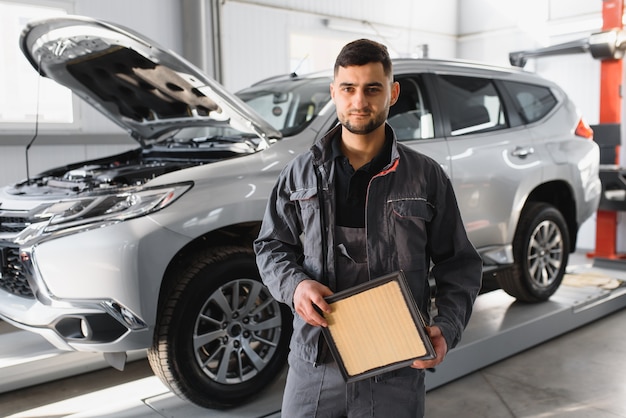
<point x="523" y="152"/>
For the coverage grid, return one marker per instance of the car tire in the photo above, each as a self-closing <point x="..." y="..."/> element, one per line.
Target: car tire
<point x="541" y="251"/>
<point x="214" y="344"/>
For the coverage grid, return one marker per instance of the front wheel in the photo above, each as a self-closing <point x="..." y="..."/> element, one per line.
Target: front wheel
<point x="220" y="337"/>
<point x="540" y="250"/>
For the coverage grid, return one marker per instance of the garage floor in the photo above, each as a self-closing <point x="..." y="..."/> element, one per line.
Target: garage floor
<point x="578" y="374"/>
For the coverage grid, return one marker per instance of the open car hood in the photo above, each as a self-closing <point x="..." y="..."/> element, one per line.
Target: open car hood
<point x="141" y="86"/>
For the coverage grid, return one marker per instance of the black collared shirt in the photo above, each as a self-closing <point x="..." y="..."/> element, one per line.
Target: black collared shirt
<point x="351" y="185"/>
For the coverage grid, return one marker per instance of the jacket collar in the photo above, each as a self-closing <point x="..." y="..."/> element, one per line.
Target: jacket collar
<point x="323" y="152"/>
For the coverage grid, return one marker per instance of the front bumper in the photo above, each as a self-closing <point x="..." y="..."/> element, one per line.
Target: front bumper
<point x="73" y="328"/>
<point x="96" y="290"/>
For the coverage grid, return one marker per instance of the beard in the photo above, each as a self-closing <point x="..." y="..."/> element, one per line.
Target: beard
<point x="367" y="127"/>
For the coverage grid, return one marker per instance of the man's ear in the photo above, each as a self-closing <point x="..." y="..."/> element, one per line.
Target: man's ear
<point x="332" y="91"/>
<point x="395" y="93"/>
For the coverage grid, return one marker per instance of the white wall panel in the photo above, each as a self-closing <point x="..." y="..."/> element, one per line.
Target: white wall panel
<point x="157" y="19"/>
<point x="44" y="157"/>
<point x="425" y="15"/>
<point x="478" y="16"/>
<point x="490" y="29"/>
<point x="565" y="9"/>
<point x="254" y="43"/>
<point x="12" y="164"/>
<point x="510" y="25"/>
<point x="259" y="35"/>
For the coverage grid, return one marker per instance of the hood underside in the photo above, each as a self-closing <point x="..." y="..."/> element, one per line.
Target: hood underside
<point x="141" y="86"/>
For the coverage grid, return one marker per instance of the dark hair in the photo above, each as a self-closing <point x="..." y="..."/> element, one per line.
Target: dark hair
<point x="361" y="52"/>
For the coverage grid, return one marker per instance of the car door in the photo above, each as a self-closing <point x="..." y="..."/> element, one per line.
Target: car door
<point x="492" y="164"/>
<point x="415" y="119"/>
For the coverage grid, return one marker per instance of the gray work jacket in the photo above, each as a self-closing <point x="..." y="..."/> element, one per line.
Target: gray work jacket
<point x="412" y="219"/>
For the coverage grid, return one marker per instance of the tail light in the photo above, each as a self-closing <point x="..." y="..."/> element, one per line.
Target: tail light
<point x="584" y="130"/>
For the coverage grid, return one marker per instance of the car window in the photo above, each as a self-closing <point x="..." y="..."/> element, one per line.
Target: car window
<point x="288" y="105"/>
<point x="532" y="102"/>
<point x="472" y="104"/>
<point x="410" y="116"/>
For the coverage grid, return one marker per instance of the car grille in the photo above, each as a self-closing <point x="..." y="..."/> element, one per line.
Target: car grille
<point x="13" y="224"/>
<point x="13" y="278"/>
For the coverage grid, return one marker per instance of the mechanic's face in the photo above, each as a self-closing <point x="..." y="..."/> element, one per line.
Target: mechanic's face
<point x="362" y="96"/>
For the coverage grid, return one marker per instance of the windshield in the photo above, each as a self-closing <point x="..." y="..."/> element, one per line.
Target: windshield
<point x="289" y="105"/>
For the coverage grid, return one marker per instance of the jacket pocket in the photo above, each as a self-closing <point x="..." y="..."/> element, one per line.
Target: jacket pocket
<point x="308" y="210"/>
<point x="413" y="208"/>
<point x="410" y="222"/>
<point x="306" y="199"/>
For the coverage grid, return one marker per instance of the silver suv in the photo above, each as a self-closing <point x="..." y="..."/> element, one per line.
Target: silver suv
<point x="152" y="248"/>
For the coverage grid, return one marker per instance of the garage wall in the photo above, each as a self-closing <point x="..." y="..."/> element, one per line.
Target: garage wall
<point x="97" y="136"/>
<point x="513" y="26"/>
<point x="262" y="38"/>
<point x="259" y="39"/>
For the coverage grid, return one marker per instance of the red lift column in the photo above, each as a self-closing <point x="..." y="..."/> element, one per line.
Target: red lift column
<point x="610" y="112"/>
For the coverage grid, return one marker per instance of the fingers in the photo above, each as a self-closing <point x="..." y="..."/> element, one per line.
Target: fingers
<point x="439" y="344"/>
<point x="319" y="301"/>
<point x="312" y="317"/>
<point x="427" y="364"/>
<point x="310" y="294"/>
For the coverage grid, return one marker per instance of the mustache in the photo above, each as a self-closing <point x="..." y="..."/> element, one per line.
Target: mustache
<point x="363" y="110"/>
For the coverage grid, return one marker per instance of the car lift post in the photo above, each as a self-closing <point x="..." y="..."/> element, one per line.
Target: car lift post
<point x="610" y="113"/>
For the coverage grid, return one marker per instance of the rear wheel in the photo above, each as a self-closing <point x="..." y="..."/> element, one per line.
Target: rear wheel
<point x="220" y="337"/>
<point x="540" y="250"/>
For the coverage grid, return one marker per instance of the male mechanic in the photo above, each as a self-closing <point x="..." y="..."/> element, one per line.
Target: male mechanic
<point x="357" y="206"/>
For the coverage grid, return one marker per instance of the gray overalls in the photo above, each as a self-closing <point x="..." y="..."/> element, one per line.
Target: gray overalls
<point x="320" y="391"/>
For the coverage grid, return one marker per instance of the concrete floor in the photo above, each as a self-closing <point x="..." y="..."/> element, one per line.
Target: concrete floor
<point x="579" y="374"/>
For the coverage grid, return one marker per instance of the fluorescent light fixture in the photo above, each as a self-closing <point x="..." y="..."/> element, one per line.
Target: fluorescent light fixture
<point x="362" y="27"/>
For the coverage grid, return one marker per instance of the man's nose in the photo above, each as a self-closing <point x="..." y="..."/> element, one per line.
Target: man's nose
<point x="359" y="100"/>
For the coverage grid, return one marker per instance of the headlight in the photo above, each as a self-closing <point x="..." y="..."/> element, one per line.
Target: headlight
<point x="106" y="209"/>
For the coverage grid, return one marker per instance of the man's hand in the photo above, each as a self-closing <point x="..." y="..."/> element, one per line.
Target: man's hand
<point x="308" y="293"/>
<point x="439" y="344"/>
